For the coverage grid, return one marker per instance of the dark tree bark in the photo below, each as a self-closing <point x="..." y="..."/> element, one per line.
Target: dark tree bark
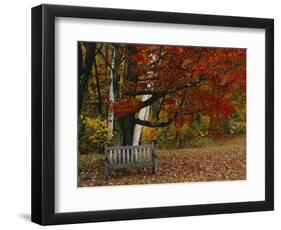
<point x="98" y="87"/>
<point x="155" y="124"/>
<point x="128" y="122"/>
<point x="127" y="127"/>
<point x="85" y="71"/>
<point x="159" y="109"/>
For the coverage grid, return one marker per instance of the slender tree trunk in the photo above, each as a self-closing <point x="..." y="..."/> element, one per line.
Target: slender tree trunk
<point x="107" y="73"/>
<point x="177" y="139"/>
<point x="115" y="80"/>
<point x="113" y="123"/>
<point x="110" y="118"/>
<point x="98" y="87"/>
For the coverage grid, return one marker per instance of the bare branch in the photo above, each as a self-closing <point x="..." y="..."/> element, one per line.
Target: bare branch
<point x="106" y="62"/>
<point x="98" y="50"/>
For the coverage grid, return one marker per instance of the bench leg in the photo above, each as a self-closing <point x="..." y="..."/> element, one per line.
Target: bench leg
<point x="154" y="167"/>
<point x="107" y="171"/>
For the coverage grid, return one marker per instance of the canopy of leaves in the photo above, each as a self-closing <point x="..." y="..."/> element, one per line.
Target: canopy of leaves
<point x="183" y="84"/>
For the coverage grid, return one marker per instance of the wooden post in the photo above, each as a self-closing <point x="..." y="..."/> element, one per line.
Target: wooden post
<point x="154" y="157"/>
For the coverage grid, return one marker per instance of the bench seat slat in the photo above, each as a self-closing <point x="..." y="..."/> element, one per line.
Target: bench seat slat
<point x="110" y="156"/>
<point x="123" y="155"/>
<point x="128" y="155"/>
<point x="115" y="156"/>
<point x="118" y="156"/>
<point x="136" y="154"/>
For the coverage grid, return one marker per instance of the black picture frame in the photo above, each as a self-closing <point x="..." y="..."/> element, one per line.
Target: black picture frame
<point x="43" y="114"/>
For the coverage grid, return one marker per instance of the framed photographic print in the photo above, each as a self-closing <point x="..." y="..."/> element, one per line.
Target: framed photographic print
<point x="142" y="114"/>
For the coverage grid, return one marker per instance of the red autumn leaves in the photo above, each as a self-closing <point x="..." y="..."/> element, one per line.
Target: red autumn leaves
<point x="204" y="80"/>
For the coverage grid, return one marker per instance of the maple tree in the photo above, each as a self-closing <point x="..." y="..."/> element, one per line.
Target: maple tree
<point x="177" y="83"/>
<point x="186" y="80"/>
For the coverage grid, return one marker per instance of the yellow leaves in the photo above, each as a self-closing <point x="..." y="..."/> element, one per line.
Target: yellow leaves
<point x="151" y="134"/>
<point x="203" y="133"/>
<point x="96" y="130"/>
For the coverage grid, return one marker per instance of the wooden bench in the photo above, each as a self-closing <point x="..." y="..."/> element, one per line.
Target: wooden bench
<point x="118" y="157"/>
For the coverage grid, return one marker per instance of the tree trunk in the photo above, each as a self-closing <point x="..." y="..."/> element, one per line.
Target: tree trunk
<point x="127" y="123"/>
<point x="110" y="118"/>
<point x="144" y="112"/>
<point x="177" y="139"/>
<point x="143" y="115"/>
<point x="115" y="80"/>
<point x="98" y="88"/>
<point x="113" y="123"/>
<point x="85" y="71"/>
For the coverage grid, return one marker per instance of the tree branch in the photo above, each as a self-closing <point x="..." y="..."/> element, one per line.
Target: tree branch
<point x="156" y="124"/>
<point x="98" y="50"/>
<point x="105" y="60"/>
<point x="155" y="96"/>
<point x="160" y="94"/>
<point x="161" y="124"/>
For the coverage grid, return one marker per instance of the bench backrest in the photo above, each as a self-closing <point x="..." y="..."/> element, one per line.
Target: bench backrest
<point x="129" y="154"/>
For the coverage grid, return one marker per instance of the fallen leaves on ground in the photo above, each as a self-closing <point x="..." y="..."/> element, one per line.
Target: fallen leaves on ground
<point x="221" y="162"/>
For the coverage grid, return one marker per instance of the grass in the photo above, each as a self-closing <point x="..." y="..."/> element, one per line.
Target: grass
<point x="222" y="160"/>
